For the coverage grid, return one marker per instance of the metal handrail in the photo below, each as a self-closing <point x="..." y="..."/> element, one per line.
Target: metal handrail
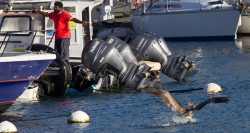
<point x="6" y="32"/>
<point x="3" y="41"/>
<point x="32" y="40"/>
<point x="6" y="43"/>
<point x="9" y="33"/>
<point x="50" y="42"/>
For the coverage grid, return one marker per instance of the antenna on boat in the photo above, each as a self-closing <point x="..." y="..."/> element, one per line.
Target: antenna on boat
<point x="143" y="8"/>
<point x="200" y="4"/>
<point x="170" y="6"/>
<point x="167" y="5"/>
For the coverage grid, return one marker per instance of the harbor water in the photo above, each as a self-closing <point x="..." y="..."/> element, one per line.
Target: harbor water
<point x="226" y="63"/>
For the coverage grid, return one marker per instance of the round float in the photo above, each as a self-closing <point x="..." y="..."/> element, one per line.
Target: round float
<point x="7" y="127"/>
<point x="212" y="88"/>
<point x="78" y="117"/>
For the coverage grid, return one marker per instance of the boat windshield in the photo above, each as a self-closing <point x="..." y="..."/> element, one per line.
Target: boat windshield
<point x="15" y="24"/>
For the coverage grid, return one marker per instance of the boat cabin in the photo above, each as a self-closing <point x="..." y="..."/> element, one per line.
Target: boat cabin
<point x="20" y="28"/>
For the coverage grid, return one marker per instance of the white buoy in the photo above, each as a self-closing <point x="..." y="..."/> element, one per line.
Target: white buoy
<point x="7" y="127"/>
<point x="212" y="88"/>
<point x="78" y="117"/>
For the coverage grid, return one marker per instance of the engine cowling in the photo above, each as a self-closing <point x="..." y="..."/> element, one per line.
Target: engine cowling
<point x="104" y="59"/>
<point x="56" y="79"/>
<point x="150" y="47"/>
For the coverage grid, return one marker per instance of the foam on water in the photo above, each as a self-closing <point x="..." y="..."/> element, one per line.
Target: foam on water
<point x="182" y="120"/>
<point x="175" y="120"/>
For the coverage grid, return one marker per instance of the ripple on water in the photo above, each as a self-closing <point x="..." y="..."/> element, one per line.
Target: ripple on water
<point x="219" y="62"/>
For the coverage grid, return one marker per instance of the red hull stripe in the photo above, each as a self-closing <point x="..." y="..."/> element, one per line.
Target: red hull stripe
<point x="6" y="102"/>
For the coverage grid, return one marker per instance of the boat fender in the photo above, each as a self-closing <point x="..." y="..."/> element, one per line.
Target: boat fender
<point x="7" y="127"/>
<point x="78" y="117"/>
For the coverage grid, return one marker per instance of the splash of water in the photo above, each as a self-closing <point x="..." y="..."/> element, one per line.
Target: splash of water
<point x="175" y="120"/>
<point x="182" y="120"/>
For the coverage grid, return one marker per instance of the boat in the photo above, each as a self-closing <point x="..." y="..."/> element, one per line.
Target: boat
<point x="188" y="19"/>
<point x="95" y="63"/>
<point x="244" y="28"/>
<point x="18" y="69"/>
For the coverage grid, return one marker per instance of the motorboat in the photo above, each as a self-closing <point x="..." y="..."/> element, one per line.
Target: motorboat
<point x="18" y="69"/>
<point x="187" y="19"/>
<point x="244" y="28"/>
<point x="95" y="63"/>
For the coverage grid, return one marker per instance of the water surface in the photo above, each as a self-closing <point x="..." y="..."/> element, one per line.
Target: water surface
<point x="225" y="63"/>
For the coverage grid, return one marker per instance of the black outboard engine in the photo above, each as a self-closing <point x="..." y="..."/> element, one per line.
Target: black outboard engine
<point x="56" y="79"/>
<point x="158" y="38"/>
<point x="123" y="48"/>
<point x="83" y="79"/>
<point x="128" y="56"/>
<point x="151" y="47"/>
<point x="105" y="60"/>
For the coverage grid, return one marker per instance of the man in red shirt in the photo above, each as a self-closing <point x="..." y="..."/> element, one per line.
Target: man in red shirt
<point x="61" y="20"/>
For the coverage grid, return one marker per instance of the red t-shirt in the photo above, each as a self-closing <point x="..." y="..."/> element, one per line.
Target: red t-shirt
<point x="61" y="24"/>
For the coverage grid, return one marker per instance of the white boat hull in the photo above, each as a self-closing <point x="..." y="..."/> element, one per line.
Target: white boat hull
<point x="221" y="24"/>
<point x="244" y="28"/>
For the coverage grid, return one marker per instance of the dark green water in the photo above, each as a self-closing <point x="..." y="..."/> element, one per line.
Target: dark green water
<point x="225" y="63"/>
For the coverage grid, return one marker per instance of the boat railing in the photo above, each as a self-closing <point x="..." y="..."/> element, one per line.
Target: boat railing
<point x="182" y="10"/>
<point x="155" y="11"/>
<point x="8" y="34"/>
<point x="166" y="6"/>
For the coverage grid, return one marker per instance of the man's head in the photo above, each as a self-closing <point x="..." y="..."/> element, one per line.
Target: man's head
<point x="58" y="6"/>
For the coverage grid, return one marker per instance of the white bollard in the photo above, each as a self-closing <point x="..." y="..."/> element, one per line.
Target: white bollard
<point x="78" y="117"/>
<point x="7" y="127"/>
<point x="212" y="88"/>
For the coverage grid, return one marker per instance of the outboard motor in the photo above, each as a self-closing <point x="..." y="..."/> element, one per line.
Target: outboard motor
<point x="105" y="60"/>
<point x="128" y="56"/>
<point x="150" y="47"/>
<point x="83" y="79"/>
<point x="123" y="48"/>
<point x="56" y="79"/>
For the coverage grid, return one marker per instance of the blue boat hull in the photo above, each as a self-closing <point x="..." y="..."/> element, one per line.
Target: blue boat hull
<point x="15" y="77"/>
<point x="10" y="92"/>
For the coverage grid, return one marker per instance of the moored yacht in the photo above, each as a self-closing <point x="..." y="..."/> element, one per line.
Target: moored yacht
<point x="188" y="20"/>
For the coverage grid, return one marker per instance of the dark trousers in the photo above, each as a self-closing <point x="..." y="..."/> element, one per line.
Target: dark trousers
<point x="62" y="47"/>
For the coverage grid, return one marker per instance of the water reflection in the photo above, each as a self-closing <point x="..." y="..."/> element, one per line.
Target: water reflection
<point x="224" y="63"/>
<point x="243" y="42"/>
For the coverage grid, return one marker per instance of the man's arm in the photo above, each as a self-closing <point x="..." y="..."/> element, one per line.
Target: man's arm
<point x="79" y="21"/>
<point x="41" y="12"/>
